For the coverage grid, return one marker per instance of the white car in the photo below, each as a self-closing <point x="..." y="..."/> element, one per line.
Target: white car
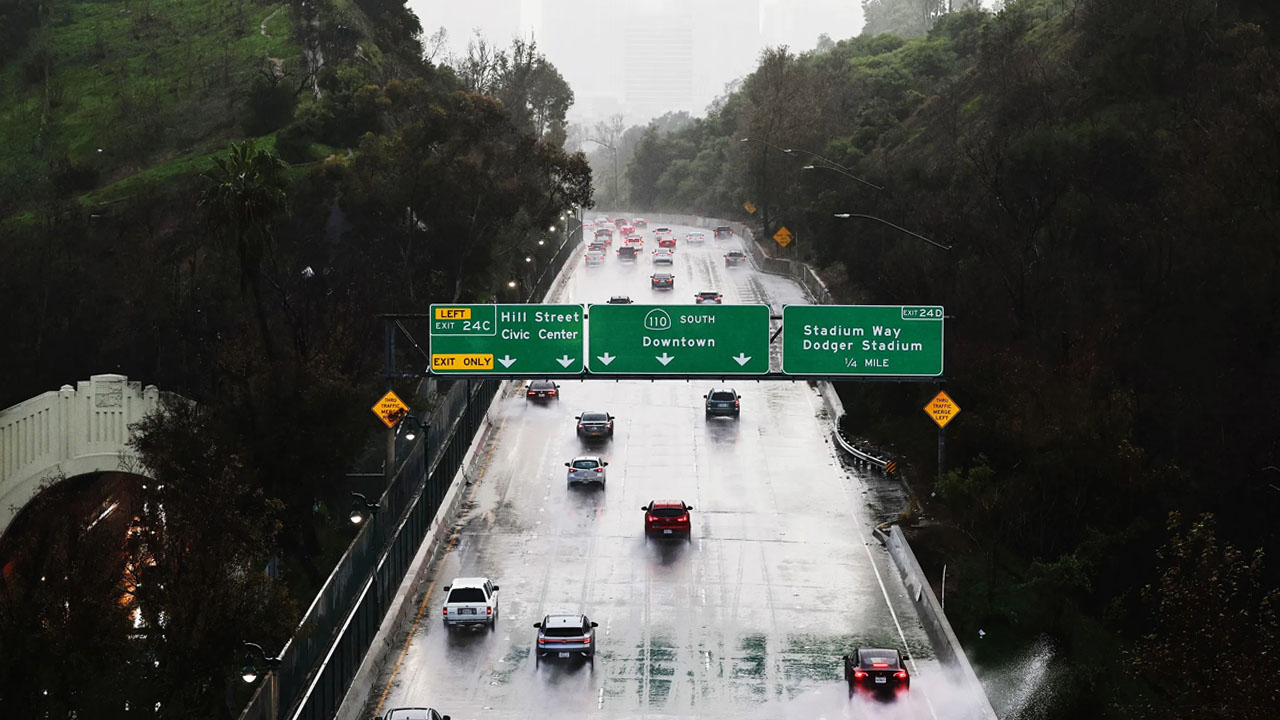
<point x="595" y="256"/>
<point x="587" y="469"/>
<point x="695" y="237"/>
<point x="471" y="601"/>
<point x="663" y="257"/>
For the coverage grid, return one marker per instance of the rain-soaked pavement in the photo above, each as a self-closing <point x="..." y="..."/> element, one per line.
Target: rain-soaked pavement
<point x="748" y="619"/>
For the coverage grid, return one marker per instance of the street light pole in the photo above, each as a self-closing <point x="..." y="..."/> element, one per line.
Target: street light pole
<point x="838" y="169"/>
<point x="899" y="228"/>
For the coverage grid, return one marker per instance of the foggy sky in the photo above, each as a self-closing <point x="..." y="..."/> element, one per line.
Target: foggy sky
<point x="644" y="57"/>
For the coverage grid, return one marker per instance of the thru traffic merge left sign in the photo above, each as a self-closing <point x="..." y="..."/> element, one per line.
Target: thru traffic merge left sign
<point x="714" y="340"/>
<point x="390" y="409"/>
<point x="942" y="409"/>
<point x="529" y="340"/>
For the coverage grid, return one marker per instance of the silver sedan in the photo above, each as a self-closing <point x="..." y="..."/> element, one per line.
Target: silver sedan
<point x="587" y="469"/>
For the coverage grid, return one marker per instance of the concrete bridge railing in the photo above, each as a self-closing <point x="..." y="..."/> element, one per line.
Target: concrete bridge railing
<point x="68" y="432"/>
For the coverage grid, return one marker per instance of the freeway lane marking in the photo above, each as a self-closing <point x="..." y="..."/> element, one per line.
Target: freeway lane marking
<point x="901" y="635"/>
<point x="417" y="619"/>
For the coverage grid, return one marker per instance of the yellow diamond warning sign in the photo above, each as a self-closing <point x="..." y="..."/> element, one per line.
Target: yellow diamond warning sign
<point x="783" y="236"/>
<point x="749" y="207"/>
<point x="942" y="409"/>
<point x="390" y="409"/>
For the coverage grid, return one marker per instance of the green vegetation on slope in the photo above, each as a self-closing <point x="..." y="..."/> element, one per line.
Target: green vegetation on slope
<point x="104" y="89"/>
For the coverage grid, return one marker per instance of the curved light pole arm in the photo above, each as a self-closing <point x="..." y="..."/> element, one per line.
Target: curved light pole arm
<point x="836" y="168"/>
<point x="899" y="228"/>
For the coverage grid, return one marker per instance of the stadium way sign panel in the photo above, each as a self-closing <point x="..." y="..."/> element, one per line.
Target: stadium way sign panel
<point x="862" y="340"/>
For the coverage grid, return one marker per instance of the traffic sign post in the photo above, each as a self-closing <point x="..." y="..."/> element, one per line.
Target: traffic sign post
<point x="942" y="410"/>
<point x="528" y="339"/>
<point x="713" y="340"/>
<point x="862" y="340"/>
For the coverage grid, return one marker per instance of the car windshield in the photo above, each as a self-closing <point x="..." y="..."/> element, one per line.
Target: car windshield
<point x="594" y="417"/>
<point x="542" y="385"/>
<point x="561" y="632"/>
<point x="584" y="464"/>
<point x="722" y="396"/>
<point x="667" y="512"/>
<point x="466" y="595"/>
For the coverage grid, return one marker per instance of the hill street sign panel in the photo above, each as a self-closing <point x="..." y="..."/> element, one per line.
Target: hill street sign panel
<point x="526" y="339"/>
<point x="889" y="340"/>
<point x="713" y="340"/>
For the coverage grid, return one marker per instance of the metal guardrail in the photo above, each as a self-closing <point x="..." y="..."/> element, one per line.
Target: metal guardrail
<point x="888" y="467"/>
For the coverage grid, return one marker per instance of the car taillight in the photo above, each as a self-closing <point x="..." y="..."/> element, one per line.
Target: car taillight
<point x="879" y="665"/>
<point x="901" y="674"/>
<point x="683" y="518"/>
<point x="579" y="426"/>
<point x="446" y="611"/>
<point x="859" y="674"/>
<point x="488" y="611"/>
<point x="608" y="426"/>
<point x="735" y="403"/>
<point x="599" y="469"/>
<point x="551" y="392"/>
<point x="586" y="640"/>
<point x="542" y="641"/>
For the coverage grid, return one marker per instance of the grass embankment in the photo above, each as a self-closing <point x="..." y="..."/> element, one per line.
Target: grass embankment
<point x="142" y="90"/>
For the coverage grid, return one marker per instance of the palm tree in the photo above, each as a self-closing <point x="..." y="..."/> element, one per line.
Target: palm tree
<point x="247" y="192"/>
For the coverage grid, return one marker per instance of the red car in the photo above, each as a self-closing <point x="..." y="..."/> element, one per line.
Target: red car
<point x="627" y="231"/>
<point x="668" y="241"/>
<point x="667" y="518"/>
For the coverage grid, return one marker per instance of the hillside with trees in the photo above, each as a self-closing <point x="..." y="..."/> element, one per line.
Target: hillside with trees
<point x="254" y="210"/>
<point x="1104" y="172"/>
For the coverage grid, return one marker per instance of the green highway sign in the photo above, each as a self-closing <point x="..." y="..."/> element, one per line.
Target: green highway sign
<point x="890" y="340"/>
<point x="678" y="339"/>
<point x="507" y="339"/>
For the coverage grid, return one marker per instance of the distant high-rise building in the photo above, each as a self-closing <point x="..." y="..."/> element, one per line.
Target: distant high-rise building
<point x="657" y="59"/>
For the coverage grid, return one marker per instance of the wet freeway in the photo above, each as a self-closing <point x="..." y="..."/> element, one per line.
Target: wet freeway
<point x="749" y="618"/>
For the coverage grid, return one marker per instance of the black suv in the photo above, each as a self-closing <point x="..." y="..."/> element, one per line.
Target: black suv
<point x="620" y="300"/>
<point x="724" y="231"/>
<point x="723" y="401"/>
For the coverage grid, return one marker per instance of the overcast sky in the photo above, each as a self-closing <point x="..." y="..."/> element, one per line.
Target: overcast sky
<point x="644" y="57"/>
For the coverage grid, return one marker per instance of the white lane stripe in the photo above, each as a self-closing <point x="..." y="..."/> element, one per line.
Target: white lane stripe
<point x="901" y="635"/>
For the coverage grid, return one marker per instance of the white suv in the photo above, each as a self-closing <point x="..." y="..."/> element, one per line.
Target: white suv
<point x="471" y="601"/>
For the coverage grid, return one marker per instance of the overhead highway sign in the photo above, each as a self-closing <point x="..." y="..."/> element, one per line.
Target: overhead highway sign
<point x="714" y="340"/>
<point x="529" y="339"/>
